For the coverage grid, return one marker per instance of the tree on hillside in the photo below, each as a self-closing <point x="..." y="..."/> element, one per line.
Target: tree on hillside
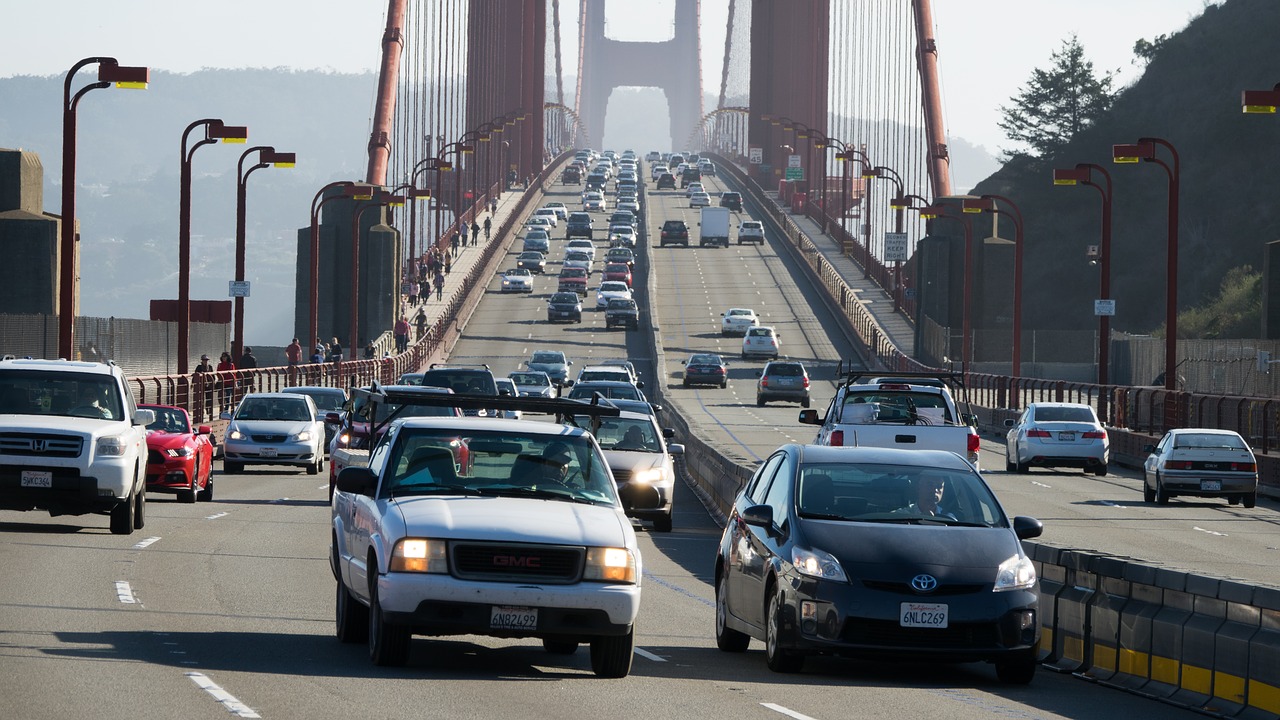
<point x="1146" y="49"/>
<point x="1235" y="313"/>
<point x="1056" y="104"/>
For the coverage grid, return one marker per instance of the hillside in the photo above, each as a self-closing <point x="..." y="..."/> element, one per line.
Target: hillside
<point x="1190" y="96"/>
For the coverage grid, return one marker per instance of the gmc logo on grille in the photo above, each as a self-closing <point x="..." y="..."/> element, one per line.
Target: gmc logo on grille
<point x="517" y="561"/>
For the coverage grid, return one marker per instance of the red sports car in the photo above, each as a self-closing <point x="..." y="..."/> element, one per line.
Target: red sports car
<point x="178" y="459"/>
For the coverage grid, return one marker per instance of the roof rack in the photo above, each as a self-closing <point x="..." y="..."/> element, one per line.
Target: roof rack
<point x="851" y="376"/>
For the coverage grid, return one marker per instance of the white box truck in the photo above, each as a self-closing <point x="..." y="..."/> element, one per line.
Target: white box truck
<point x="714" y="227"/>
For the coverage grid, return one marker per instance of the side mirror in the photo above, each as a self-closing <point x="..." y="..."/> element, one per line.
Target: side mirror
<point x="759" y="516"/>
<point x="144" y="417"/>
<point x="333" y="418"/>
<point x="357" y="481"/>
<point x="1148" y="449"/>
<point x="224" y="416"/>
<point x="640" y="384"/>
<point x="676" y="448"/>
<point x="809" y="417"/>
<point x="1027" y="527"/>
<point x="668" y="433"/>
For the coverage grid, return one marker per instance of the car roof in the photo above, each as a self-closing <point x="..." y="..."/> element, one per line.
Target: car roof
<point x="920" y="458"/>
<point x="1058" y="405"/>
<point x="107" y="368"/>
<point x="319" y="389"/>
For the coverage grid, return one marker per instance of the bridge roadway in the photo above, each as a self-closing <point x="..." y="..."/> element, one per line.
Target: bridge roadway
<point x="238" y="591"/>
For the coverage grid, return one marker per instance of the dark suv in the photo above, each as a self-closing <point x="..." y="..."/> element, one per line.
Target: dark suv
<point x="731" y="200"/>
<point x="674" y="231"/>
<point x="666" y="181"/>
<point x="571" y="176"/>
<point x="622" y="312"/>
<point x="564" y="306"/>
<point x="579" y="225"/>
<point x="463" y="380"/>
<point x="690" y="175"/>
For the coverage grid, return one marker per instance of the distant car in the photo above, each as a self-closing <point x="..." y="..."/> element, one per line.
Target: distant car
<point x="618" y="271"/>
<point x="630" y="204"/>
<point x="674" y="231"/>
<point x="641" y="461"/>
<point x="736" y="321"/>
<point x="1056" y="434"/>
<point x="1200" y="462"/>
<point x="274" y="429"/>
<point x="579" y="225"/>
<point x="330" y="402"/>
<point x="517" y="280"/>
<point x="541" y="222"/>
<point x="701" y="199"/>
<point x="731" y="200"/>
<point x="751" y="231"/>
<point x="463" y="380"/>
<point x="622" y="236"/>
<point x="577" y="259"/>
<point x="581" y="245"/>
<point x="552" y="362"/>
<point x="532" y="383"/>
<point x="595" y="202"/>
<point x="666" y="181"/>
<point x="618" y="373"/>
<point x="606" y="388"/>
<point x="536" y="241"/>
<point x="692" y="189"/>
<point x="652" y="156"/>
<point x="533" y="261"/>
<point x="876" y="553"/>
<point x="611" y="289"/>
<point x="783" y="380"/>
<point x="760" y="342"/>
<point x="508" y="387"/>
<point x="571" y="176"/>
<point x="621" y="255"/>
<point x="624" y="364"/>
<point x="564" y="306"/>
<point x="549" y="214"/>
<point x="623" y="217"/>
<point x="179" y="456"/>
<point x="705" y="369"/>
<point x="573" y="279"/>
<point x="659" y="170"/>
<point x="622" y="312"/>
<point x="707" y="168"/>
<point x="562" y="212"/>
<point x="690" y="175"/>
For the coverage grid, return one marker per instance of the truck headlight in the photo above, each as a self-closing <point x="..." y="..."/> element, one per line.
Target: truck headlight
<point x="818" y="564"/>
<point x="1016" y="573"/>
<point x="113" y="446"/>
<point x="617" y="565"/>
<point x="648" y="477"/>
<point x="420" y="555"/>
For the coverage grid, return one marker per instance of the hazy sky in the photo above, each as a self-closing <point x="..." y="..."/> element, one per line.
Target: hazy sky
<point x="991" y="45"/>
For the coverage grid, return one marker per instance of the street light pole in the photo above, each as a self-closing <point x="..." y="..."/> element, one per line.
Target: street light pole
<point x="380" y="199"/>
<point x="267" y="156"/>
<point x="214" y="131"/>
<point x="109" y="71"/>
<point x="966" y="341"/>
<point x="884" y="171"/>
<point x="1145" y="151"/>
<point x="987" y="203"/>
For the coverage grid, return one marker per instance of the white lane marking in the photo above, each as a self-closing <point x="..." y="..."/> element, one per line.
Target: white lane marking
<point x="1114" y="504"/>
<point x="233" y="706"/>
<point x="1033" y="482"/>
<point x="1209" y="532"/>
<point x="145" y="543"/>
<point x="125" y="593"/>
<point x="786" y="711"/>
<point x="646" y="654"/>
<point x="215" y="516"/>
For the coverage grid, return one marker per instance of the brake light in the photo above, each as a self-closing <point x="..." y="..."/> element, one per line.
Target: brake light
<point x="1095" y="435"/>
<point x="894" y="386"/>
<point x="764" y="381"/>
<point x="1037" y="433"/>
<point x="836" y="438"/>
<point x="805" y="382"/>
<point x="974" y="442"/>
<point x="1177" y="465"/>
<point x="1244" y="467"/>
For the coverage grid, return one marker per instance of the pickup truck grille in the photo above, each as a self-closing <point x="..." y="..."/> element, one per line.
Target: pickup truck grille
<point x="502" y="562"/>
<point x="40" y="445"/>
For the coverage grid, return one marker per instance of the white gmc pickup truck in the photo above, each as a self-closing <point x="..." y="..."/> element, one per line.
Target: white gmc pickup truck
<point x="72" y="441"/>
<point x="912" y="411"/>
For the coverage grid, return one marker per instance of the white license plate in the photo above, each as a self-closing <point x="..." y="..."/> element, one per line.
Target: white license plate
<point x="925" y="615"/>
<point x="37" y="478"/>
<point x="1067" y="436"/>
<point x="508" y="617"/>
<point x="268" y="452"/>
<point x="1210" y="485"/>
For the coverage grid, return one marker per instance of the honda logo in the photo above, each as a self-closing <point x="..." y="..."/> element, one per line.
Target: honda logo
<point x="39" y="445"/>
<point x="924" y="583"/>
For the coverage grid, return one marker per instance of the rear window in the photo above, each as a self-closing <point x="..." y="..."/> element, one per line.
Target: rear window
<point x="1064" y="414"/>
<point x="475" y="382"/>
<point x="787" y="370"/>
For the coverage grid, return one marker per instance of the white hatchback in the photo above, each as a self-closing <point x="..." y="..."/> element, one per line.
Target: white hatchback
<point x="760" y="342"/>
<point x="736" y="321"/>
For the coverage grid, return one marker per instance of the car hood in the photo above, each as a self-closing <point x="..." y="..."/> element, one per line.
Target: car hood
<point x="523" y="520"/>
<point x="272" y="427"/>
<point x="897" y="553"/>
<point x="633" y="460"/>
<point x="161" y="440"/>
<point x="64" y="424"/>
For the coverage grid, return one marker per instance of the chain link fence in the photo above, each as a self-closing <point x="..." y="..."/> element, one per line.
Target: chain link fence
<point x="139" y="347"/>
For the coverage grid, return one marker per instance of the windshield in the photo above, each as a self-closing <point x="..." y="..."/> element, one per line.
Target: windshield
<point x="620" y="433"/>
<point x="75" y="394"/>
<point x="531" y="379"/>
<point x="548" y="358"/>
<point x="284" y="409"/>
<point x="563" y="467"/>
<point x="625" y="391"/>
<point x="169" y="420"/>
<point x="326" y="401"/>
<point x="896" y="493"/>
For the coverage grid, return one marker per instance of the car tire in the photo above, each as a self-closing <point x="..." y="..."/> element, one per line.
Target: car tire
<point x="724" y="384"/>
<point x="229" y="468"/>
<point x="759" y="401"/>
<point x="778" y="659"/>
<point x="611" y="654"/>
<point x="684" y="383"/>
<point x="122" y="517"/>
<point x="351" y="618"/>
<point x="1148" y="493"/>
<point x="727" y="639"/>
<point x="560" y="647"/>
<point x="1100" y="470"/>
<point x="314" y="468"/>
<point x="1009" y="464"/>
<point x="140" y="512"/>
<point x="662" y="523"/>
<point x="1161" y="495"/>
<point x="1251" y="499"/>
<point x="189" y="496"/>
<point x="388" y="642"/>
<point x="206" y="494"/>
<point x="1018" y="670"/>
<point x="804" y="403"/>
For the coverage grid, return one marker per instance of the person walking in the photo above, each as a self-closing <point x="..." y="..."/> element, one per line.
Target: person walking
<point x="453" y="242"/>
<point x="335" y="351"/>
<point x="475" y="233"/>
<point x="439" y="285"/>
<point x="293" y="353"/>
<point x="488" y="226"/>
<point x="401" y="331"/>
<point x="204" y="377"/>
<point x="248" y="362"/>
<point x="414" y="287"/>
<point x="227" y="381"/>
<point x="421" y="320"/>
<point x="448" y="264"/>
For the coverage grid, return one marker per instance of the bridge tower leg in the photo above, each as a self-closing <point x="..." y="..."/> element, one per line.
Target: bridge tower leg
<point x="673" y="65"/>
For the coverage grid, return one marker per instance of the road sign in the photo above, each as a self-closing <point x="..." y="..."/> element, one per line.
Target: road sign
<point x="237" y="288"/>
<point x="795" y="173"/>
<point x="1104" y="307"/>
<point x="895" y="246"/>
<point x="793" y="161"/>
<point x="756" y="155"/>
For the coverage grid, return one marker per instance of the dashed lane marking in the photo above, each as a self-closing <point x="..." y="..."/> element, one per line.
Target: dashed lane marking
<point x="145" y="543"/>
<point x="786" y="711"/>
<point x="125" y="593"/>
<point x="229" y="701"/>
<point x="646" y="654"/>
<point x="215" y="516"/>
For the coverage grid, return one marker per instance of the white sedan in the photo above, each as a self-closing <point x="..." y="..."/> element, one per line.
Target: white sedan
<point x="610" y="289"/>
<point x="548" y="213"/>
<point x="594" y="202"/>
<point x="700" y="199"/>
<point x="517" y="280"/>
<point x="1057" y="434"/>
<point x="1202" y="463"/>
<point x="560" y="209"/>
<point x="736" y="321"/>
<point x="540" y="222"/>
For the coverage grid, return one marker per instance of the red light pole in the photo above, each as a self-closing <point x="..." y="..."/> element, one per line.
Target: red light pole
<point x="936" y="211"/>
<point x="1082" y="173"/>
<point x="267" y="156"/>
<point x="214" y="130"/>
<point x="382" y="197"/>
<point x="1145" y="151"/>
<point x="108" y="72"/>
<point x="885" y="172"/>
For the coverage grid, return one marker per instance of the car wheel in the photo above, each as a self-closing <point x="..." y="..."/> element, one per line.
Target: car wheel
<point x="122" y="517"/>
<point x="1019" y="670"/>
<point x="388" y="642"/>
<point x="351" y="618"/>
<point x="189" y="496"/>
<point x="1162" y="496"/>
<point x="744" y="356"/>
<point x="560" y="647"/>
<point x="724" y="384"/>
<point x="804" y="402"/>
<point x="314" y="468"/>
<point x="1148" y="493"/>
<point x="727" y="639"/>
<point x="206" y="493"/>
<point x="1250" y="499"/>
<point x="1233" y="499"/>
<point x="759" y="401"/>
<point x="1100" y="470"/>
<point x="229" y="467"/>
<point x="611" y="654"/>
<point x="140" y="512"/>
<point x="684" y="383"/>
<point x="778" y="659"/>
<point x="1009" y="464"/>
<point x="663" y="523"/>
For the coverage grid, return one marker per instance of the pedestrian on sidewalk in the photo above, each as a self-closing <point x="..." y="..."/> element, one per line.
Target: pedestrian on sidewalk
<point x="413" y="292"/>
<point x="448" y="264"/>
<point x="401" y="331"/>
<point x="335" y="351"/>
<point x="421" y="320"/>
<point x="462" y="229"/>
<point x="453" y="242"/>
<point x="226" y="383"/>
<point x="439" y="285"/>
<point x="204" y="373"/>
<point x="370" y="352"/>
<point x="293" y="353"/>
<point x="248" y="362"/>
<point x="475" y="233"/>
<point x="488" y="226"/>
<point x="493" y="205"/>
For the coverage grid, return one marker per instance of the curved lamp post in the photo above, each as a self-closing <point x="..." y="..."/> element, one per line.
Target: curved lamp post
<point x="988" y="203"/>
<point x="349" y="189"/>
<point x="932" y="212"/>
<point x="886" y="172"/>
<point x="379" y="199"/>
<point x="267" y="157"/>
<point x="214" y="130"/>
<point x="109" y="71"/>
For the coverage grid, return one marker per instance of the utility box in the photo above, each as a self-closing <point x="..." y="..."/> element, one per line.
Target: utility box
<point x="798" y="202"/>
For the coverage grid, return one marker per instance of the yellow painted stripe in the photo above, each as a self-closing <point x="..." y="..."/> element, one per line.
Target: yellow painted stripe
<point x="1164" y="670"/>
<point x="1264" y="696"/>
<point x="1133" y="662"/>
<point x="1228" y="687"/>
<point x="1197" y="679"/>
<point x="1073" y="648"/>
<point x="1104" y="657"/>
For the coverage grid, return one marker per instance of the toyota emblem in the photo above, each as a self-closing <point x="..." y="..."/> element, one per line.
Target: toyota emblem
<point x="924" y="583"/>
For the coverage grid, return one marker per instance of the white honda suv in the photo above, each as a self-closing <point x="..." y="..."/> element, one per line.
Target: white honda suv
<point x="72" y="441"/>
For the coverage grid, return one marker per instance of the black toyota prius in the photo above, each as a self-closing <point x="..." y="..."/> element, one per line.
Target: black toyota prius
<point x="879" y="554"/>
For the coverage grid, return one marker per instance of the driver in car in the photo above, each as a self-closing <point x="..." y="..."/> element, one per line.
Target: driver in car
<point x="930" y="488"/>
